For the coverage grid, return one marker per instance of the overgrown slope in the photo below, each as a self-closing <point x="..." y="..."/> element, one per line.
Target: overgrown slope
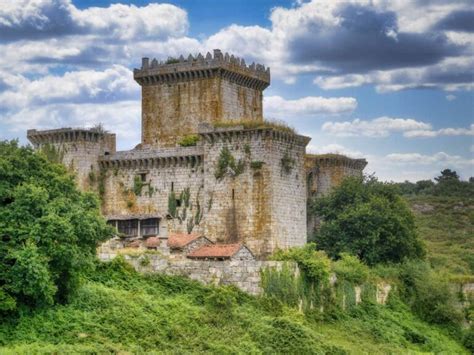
<point x="446" y="225"/>
<point x="118" y="310"/>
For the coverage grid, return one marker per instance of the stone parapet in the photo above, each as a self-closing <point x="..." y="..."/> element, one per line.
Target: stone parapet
<point x="239" y="132"/>
<point x="330" y="160"/>
<point x="153" y="158"/>
<point x="67" y="135"/>
<point x="234" y="69"/>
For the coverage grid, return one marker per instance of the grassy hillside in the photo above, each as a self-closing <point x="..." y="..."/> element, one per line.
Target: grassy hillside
<point x="118" y="310"/>
<point x="446" y="224"/>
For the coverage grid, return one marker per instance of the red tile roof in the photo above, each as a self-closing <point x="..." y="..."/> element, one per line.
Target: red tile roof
<point x="218" y="251"/>
<point x="134" y="244"/>
<point x="177" y="240"/>
<point x="152" y="242"/>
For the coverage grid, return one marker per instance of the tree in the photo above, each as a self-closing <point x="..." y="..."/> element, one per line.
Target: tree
<point x="447" y="175"/>
<point x="49" y="230"/>
<point x="369" y="219"/>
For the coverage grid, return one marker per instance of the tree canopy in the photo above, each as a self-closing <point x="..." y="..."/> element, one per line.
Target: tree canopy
<point x="49" y="230"/>
<point x="448" y="184"/>
<point x="369" y="219"/>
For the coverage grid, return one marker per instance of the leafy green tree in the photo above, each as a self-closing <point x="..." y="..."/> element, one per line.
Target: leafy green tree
<point x="369" y="219"/>
<point x="447" y="175"/>
<point x="49" y="230"/>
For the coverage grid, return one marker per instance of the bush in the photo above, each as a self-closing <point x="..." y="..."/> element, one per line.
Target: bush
<point x="189" y="140"/>
<point x="429" y="294"/>
<point x="49" y="230"/>
<point x="369" y="219"/>
<point x="351" y="269"/>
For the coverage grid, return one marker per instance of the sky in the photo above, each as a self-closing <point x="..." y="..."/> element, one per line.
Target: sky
<point x="387" y="80"/>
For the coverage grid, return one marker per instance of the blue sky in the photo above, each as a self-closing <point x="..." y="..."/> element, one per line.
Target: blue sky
<point x="388" y="81"/>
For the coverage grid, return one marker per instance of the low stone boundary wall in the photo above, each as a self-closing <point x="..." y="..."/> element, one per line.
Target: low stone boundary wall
<point x="244" y="274"/>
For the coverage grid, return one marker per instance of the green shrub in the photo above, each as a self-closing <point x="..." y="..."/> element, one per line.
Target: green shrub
<point x="429" y="294"/>
<point x="368" y="219"/>
<point x="49" y="230"/>
<point x="189" y="140"/>
<point x="228" y="164"/>
<point x="256" y="164"/>
<point x="351" y="269"/>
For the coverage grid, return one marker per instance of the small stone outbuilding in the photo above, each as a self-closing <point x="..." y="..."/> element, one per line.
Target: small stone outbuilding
<point x="182" y="244"/>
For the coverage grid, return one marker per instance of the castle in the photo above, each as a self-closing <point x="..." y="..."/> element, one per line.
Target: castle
<point x="207" y="163"/>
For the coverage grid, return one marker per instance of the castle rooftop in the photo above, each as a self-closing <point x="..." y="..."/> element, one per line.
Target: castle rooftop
<point x="191" y="68"/>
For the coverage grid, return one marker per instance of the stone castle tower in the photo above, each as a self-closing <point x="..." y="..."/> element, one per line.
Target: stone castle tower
<point x="232" y="182"/>
<point x="179" y="94"/>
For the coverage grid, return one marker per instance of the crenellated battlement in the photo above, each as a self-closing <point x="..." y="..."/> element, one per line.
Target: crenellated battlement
<point x="333" y="160"/>
<point x="226" y="66"/>
<point x="67" y="135"/>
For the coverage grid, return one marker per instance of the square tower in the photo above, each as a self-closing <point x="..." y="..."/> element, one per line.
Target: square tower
<point x="180" y="94"/>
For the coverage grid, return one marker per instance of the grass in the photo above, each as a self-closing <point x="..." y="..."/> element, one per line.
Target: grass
<point x="118" y="310"/>
<point x="446" y="225"/>
<point x="255" y="124"/>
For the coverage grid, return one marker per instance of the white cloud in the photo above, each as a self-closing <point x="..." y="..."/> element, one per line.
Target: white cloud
<point x="113" y="84"/>
<point x="450" y="74"/>
<point x="48" y="18"/>
<point x="438" y="159"/>
<point x="122" y="118"/>
<point x="278" y="107"/>
<point x="379" y="127"/>
<point x="441" y="132"/>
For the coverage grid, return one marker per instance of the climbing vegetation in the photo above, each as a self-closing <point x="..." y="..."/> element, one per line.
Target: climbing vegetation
<point x="227" y="164"/>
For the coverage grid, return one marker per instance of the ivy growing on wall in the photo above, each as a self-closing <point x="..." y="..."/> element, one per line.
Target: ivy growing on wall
<point x="53" y="154"/>
<point x="184" y="212"/>
<point x="172" y="205"/>
<point x="256" y="164"/>
<point x="137" y="185"/>
<point x="287" y="162"/>
<point x="228" y="165"/>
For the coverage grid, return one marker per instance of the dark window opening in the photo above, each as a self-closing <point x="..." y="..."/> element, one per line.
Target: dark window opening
<point x="128" y="227"/>
<point x="149" y="227"/>
<point x="143" y="177"/>
<point x="178" y="202"/>
<point x="106" y="153"/>
<point x="172" y="186"/>
<point x="233" y="194"/>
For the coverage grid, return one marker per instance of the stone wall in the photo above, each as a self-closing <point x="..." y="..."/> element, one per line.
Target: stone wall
<point x="170" y="112"/>
<point x="78" y="150"/>
<point x="261" y="205"/>
<point x="243" y="273"/>
<point x="165" y="172"/>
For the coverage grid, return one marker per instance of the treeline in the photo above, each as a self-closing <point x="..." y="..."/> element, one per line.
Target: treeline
<point x="446" y="184"/>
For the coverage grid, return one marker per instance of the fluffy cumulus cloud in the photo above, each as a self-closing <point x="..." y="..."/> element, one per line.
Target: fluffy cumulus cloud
<point x="26" y="19"/>
<point x="440" y="158"/>
<point x="394" y="45"/>
<point x="278" y="107"/>
<point x="384" y="126"/>
<point x="428" y="133"/>
<point x="378" y="127"/>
